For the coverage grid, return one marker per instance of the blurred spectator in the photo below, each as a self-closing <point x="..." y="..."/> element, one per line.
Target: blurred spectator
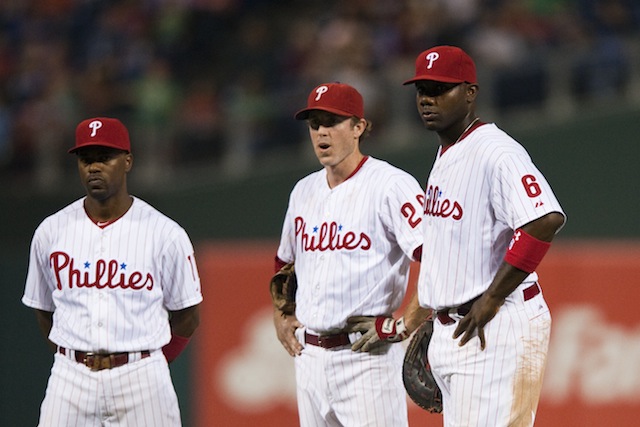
<point x="6" y="150"/>
<point x="602" y="67"/>
<point x="200" y="133"/>
<point x="511" y="39"/>
<point x="154" y="98"/>
<point x="209" y="82"/>
<point x="251" y="120"/>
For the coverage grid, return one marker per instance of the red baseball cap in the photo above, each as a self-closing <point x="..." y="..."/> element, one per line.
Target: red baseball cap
<point x="336" y="98"/>
<point x="103" y="132"/>
<point x="448" y="64"/>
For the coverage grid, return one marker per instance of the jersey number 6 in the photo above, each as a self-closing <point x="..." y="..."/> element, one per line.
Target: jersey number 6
<point x="531" y="186"/>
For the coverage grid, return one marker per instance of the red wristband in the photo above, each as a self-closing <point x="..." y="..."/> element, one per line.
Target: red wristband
<point x="175" y="347"/>
<point x="525" y="251"/>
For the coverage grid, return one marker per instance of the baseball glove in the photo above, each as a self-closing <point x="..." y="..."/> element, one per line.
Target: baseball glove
<point x="416" y="372"/>
<point x="283" y="287"/>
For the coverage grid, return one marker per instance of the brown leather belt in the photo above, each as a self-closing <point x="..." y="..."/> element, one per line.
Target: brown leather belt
<point x="100" y="361"/>
<point x="463" y="310"/>
<point x="327" y="341"/>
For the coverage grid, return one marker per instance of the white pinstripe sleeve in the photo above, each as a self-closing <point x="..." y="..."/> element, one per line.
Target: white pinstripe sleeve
<point x="183" y="280"/>
<point x="38" y="293"/>
<point x="404" y="200"/>
<point x="286" y="250"/>
<point x="521" y="193"/>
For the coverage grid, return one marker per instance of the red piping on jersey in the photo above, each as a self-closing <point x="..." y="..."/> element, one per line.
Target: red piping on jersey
<point x="103" y="224"/>
<point x="463" y="136"/>
<point x="364" y="159"/>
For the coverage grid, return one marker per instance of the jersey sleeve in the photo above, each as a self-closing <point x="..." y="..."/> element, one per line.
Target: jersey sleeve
<point x="181" y="287"/>
<point x="403" y="211"/>
<point x="38" y="290"/>
<point x="286" y="248"/>
<point x="521" y="193"/>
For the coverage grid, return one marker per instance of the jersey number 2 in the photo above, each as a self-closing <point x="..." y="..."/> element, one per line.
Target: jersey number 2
<point x="410" y="212"/>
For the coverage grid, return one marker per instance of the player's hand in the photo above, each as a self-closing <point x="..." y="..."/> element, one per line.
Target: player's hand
<point x="286" y="325"/>
<point x="482" y="311"/>
<point x="376" y="331"/>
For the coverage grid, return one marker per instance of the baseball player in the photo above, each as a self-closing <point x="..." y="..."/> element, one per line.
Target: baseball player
<point x="489" y="218"/>
<point x="116" y="291"/>
<point x="352" y="229"/>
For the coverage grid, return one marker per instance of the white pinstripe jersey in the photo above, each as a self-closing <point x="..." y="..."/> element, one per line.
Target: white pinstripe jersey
<point x="352" y="244"/>
<point x="478" y="192"/>
<point x="111" y="288"/>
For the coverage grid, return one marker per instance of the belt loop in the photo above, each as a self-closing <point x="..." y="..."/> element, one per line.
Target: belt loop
<point x="531" y="291"/>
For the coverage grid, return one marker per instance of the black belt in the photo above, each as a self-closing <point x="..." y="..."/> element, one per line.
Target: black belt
<point x="463" y="310"/>
<point x="327" y="341"/>
<point x="100" y="361"/>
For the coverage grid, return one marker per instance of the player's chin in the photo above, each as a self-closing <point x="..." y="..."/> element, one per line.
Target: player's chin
<point x="429" y="123"/>
<point x="324" y="157"/>
<point x="97" y="192"/>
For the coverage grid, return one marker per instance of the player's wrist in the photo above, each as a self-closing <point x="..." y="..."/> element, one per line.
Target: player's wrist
<point x="525" y="252"/>
<point x="175" y="347"/>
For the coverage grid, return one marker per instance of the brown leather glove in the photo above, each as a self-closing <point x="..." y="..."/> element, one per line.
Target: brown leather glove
<point x="416" y="372"/>
<point x="283" y="288"/>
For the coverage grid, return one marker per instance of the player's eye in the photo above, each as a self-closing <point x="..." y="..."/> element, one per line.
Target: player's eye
<point x="100" y="158"/>
<point x="326" y="121"/>
<point x="434" y="89"/>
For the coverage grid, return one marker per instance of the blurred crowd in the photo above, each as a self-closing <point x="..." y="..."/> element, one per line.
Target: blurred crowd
<point x="214" y="83"/>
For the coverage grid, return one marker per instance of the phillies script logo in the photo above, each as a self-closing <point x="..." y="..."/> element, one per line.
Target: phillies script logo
<point x="107" y="274"/>
<point x="329" y="236"/>
<point x="443" y="208"/>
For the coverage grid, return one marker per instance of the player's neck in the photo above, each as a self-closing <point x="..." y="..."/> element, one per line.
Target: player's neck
<point x="108" y="209"/>
<point x="447" y="141"/>
<point x="338" y="174"/>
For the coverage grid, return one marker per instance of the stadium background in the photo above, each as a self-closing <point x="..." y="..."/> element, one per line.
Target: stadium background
<point x="208" y="89"/>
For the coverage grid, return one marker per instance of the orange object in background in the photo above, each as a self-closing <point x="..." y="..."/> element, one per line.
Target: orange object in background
<point x="245" y="378"/>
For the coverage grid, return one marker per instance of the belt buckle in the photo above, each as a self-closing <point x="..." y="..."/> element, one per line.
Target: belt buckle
<point x="92" y="361"/>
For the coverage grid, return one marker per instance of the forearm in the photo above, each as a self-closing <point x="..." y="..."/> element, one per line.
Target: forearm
<point x="506" y="280"/>
<point x="183" y="325"/>
<point x="185" y="322"/>
<point x="45" y="323"/>
<point x="414" y="315"/>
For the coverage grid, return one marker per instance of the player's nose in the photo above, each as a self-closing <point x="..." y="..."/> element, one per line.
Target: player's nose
<point x="424" y="100"/>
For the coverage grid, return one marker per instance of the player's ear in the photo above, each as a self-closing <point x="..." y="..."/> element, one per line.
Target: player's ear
<point x="128" y="159"/>
<point x="359" y="127"/>
<point x="472" y="92"/>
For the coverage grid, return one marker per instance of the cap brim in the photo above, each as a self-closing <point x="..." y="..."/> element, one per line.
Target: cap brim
<point x="443" y="79"/>
<point x="304" y="114"/>
<point x="97" y="144"/>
